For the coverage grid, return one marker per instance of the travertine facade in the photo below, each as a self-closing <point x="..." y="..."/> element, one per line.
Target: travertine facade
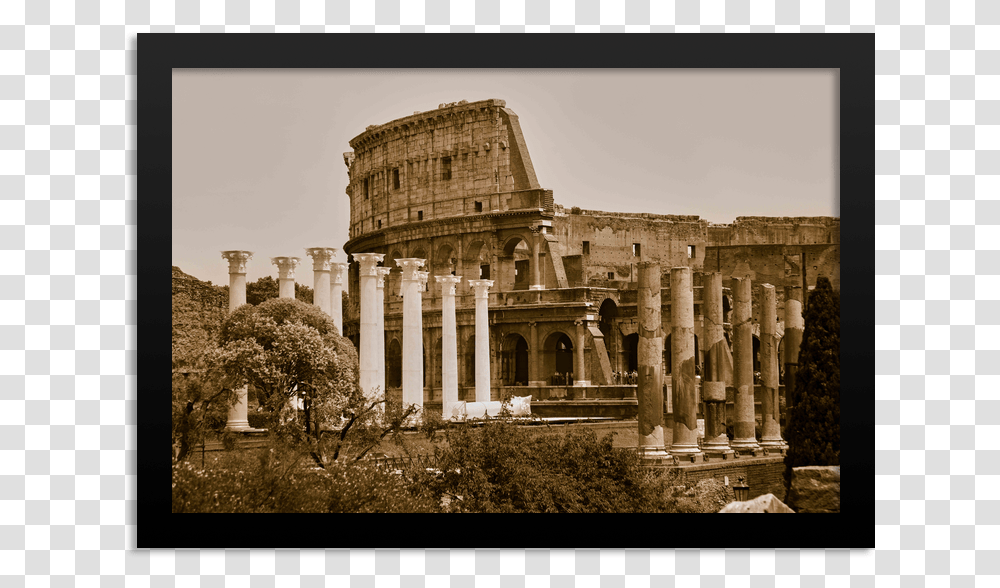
<point x="455" y="186"/>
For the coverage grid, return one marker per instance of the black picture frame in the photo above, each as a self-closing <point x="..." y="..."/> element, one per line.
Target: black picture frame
<point x="158" y="54"/>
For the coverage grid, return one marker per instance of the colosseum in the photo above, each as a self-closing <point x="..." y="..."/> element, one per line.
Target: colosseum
<point x="456" y="186"/>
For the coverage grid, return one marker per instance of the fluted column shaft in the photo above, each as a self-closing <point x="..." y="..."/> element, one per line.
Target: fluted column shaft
<point x="535" y="361"/>
<point x="793" y="340"/>
<point x="381" y="273"/>
<point x="650" y="384"/>
<point x="744" y="421"/>
<point x="413" y="342"/>
<point x="368" y="340"/>
<point x="771" y="434"/>
<point x="337" y="273"/>
<point x="683" y="382"/>
<point x="449" y="343"/>
<point x="482" y="338"/>
<point x="718" y="368"/>
<point x="322" y="261"/>
<point x="237" y="418"/>
<point x="579" y="364"/>
<point x="286" y="275"/>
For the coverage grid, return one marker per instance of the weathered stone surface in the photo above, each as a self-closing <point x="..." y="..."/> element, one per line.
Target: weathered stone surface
<point x="767" y="503"/>
<point x="815" y="489"/>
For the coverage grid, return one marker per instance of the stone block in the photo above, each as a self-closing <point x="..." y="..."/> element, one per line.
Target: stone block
<point x="768" y="503"/>
<point x="815" y="489"/>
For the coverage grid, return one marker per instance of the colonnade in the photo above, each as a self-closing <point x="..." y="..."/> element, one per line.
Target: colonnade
<point x="722" y="369"/>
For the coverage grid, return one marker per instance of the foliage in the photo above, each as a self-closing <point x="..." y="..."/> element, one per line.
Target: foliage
<point x="266" y="288"/>
<point x="813" y="430"/>
<point x="708" y="495"/>
<point x="200" y="397"/>
<point x="503" y="467"/>
<point x="282" y="479"/>
<point x="286" y="349"/>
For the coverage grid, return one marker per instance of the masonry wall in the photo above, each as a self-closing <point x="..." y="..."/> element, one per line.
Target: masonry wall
<point x="446" y="161"/>
<point x="611" y="238"/>
<point x="764" y="475"/>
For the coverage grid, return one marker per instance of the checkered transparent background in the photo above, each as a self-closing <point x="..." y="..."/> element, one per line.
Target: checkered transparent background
<point x="68" y="296"/>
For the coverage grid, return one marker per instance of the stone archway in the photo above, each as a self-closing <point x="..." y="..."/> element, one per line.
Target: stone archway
<point x="514" y="361"/>
<point x="515" y="268"/>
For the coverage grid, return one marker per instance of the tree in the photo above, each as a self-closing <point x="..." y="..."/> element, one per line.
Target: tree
<point x="289" y="349"/>
<point x="813" y="432"/>
<point x="266" y="288"/>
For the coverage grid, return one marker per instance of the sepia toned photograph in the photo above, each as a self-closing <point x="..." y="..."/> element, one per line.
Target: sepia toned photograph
<point x="505" y="291"/>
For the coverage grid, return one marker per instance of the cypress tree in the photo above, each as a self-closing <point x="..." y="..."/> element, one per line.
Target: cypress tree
<point x="813" y="432"/>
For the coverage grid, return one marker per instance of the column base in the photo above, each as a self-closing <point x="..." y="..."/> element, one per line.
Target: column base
<point x="773" y="443"/>
<point x="744" y="444"/>
<point x="651" y="455"/>
<point x="577" y="383"/>
<point x="685" y="450"/>
<point x="242" y="425"/>
<point x="723" y="452"/>
<point x="536" y="287"/>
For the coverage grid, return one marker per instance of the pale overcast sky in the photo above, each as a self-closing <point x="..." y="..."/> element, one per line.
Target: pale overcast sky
<point x="258" y="154"/>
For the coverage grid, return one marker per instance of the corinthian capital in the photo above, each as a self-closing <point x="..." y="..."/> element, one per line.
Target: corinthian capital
<point x="237" y="260"/>
<point x="448" y="284"/>
<point x="482" y="288"/>
<point x="286" y="266"/>
<point x="410" y="266"/>
<point x="380" y="274"/>
<point x="322" y="257"/>
<point x="368" y="262"/>
<point x="337" y="272"/>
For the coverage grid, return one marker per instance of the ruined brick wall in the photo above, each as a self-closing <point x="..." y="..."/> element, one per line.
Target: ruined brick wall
<point x="764" y="475"/>
<point x="611" y="237"/>
<point x="444" y="161"/>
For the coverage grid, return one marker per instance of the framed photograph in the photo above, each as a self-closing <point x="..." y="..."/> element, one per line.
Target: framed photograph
<point x="562" y="169"/>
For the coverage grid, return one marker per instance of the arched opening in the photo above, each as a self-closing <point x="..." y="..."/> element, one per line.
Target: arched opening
<point x="630" y="353"/>
<point x="444" y="262"/>
<point x="756" y="359"/>
<point x="557" y="358"/>
<point x="477" y="259"/>
<point x="515" y="265"/>
<point x="607" y="315"/>
<point x="514" y="361"/>
<point x="394" y="364"/>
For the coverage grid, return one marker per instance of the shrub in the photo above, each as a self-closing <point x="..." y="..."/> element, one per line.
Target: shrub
<point x="501" y="467"/>
<point x="813" y="429"/>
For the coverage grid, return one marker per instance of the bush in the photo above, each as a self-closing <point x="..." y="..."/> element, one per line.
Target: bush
<point x="813" y="429"/>
<point x="501" y="467"/>
<point x="277" y="480"/>
<point x="708" y="495"/>
<point x="261" y="420"/>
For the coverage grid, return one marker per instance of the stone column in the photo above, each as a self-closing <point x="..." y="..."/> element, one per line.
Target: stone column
<point x="579" y="365"/>
<point x="718" y="371"/>
<point x="413" y="342"/>
<point x="535" y="358"/>
<point x="337" y="273"/>
<point x="536" y="270"/>
<point x="426" y="350"/>
<point x="650" y="385"/>
<point x="793" y="340"/>
<point x="482" y="288"/>
<point x="771" y="434"/>
<point x="286" y="275"/>
<point x="380" y="274"/>
<point x="682" y="378"/>
<point x="449" y="344"/>
<point x="368" y="359"/>
<point x="322" y="258"/>
<point x="237" y="420"/>
<point x="743" y="425"/>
